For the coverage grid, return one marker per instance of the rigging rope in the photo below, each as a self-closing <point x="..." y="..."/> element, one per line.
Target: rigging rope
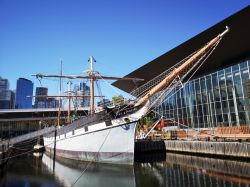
<point x="99" y="91"/>
<point x="176" y="82"/>
<point x="157" y="100"/>
<point x="119" y="93"/>
<point x="207" y="133"/>
<point x="143" y="89"/>
<point x="202" y="62"/>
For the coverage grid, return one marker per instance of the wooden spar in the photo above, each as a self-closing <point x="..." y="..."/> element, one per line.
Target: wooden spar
<point x="92" y="75"/>
<point x="69" y="90"/>
<point x="180" y="69"/>
<point x="66" y="96"/>
<point x="60" y="103"/>
<point x="92" y="100"/>
<point x="87" y="77"/>
<point x="92" y="87"/>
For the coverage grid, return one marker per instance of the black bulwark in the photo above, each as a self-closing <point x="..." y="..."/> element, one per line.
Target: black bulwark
<point x="103" y="116"/>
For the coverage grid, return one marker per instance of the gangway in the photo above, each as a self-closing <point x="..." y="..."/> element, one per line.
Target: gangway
<point x="28" y="136"/>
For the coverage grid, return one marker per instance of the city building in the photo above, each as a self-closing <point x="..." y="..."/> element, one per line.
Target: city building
<point x="52" y="103"/>
<point x="218" y="95"/>
<point x="216" y="99"/>
<point x="4" y="84"/>
<point x="82" y="89"/>
<point x="24" y="88"/>
<point x="41" y="102"/>
<point x="7" y="97"/>
<point x="104" y="102"/>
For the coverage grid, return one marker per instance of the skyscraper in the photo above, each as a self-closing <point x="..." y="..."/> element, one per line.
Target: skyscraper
<point x="24" y="88"/>
<point x="80" y="90"/>
<point x="52" y="103"/>
<point x="85" y="91"/>
<point x="4" y="84"/>
<point x="41" y="102"/>
<point x="6" y="96"/>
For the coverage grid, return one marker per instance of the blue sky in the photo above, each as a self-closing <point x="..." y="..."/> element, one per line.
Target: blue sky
<point x="122" y="35"/>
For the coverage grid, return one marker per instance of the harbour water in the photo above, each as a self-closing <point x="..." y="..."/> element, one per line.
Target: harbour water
<point x="158" y="170"/>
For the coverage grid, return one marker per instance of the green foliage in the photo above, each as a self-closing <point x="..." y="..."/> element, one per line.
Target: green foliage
<point x="118" y="100"/>
<point x="148" y="120"/>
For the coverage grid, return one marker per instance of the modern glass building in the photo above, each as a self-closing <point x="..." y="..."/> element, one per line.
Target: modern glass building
<point x="4" y="84"/>
<point x="213" y="100"/>
<point x="24" y="88"/>
<point x="80" y="90"/>
<point x="41" y="102"/>
<point x="218" y="94"/>
<point x="7" y="97"/>
<point x="52" y="103"/>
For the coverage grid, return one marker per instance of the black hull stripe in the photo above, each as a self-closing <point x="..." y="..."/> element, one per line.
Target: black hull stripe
<point x="108" y="157"/>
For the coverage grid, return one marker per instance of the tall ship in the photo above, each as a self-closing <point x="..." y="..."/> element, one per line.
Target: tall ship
<point x="108" y="135"/>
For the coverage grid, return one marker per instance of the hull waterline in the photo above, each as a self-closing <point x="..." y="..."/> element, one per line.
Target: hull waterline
<point x="108" y="145"/>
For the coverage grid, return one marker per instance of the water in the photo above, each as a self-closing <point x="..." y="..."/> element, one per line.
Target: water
<point x="167" y="170"/>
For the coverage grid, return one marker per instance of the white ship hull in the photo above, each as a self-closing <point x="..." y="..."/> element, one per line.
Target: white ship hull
<point x="99" y="143"/>
<point x="114" y="144"/>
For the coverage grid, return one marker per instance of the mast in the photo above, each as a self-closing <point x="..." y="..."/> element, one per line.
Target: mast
<point x="92" y="86"/>
<point x="180" y="69"/>
<point x="60" y="100"/>
<point x="69" y="90"/>
<point x="92" y="75"/>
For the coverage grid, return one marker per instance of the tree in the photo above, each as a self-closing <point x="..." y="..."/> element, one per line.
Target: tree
<point x="118" y="100"/>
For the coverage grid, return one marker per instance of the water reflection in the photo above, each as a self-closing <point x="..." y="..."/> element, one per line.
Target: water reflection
<point x="174" y="170"/>
<point x="203" y="171"/>
<point x="68" y="171"/>
<point x="185" y="170"/>
<point x="27" y="171"/>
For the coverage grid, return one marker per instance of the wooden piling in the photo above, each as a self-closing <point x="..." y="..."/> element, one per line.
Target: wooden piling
<point x="227" y="149"/>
